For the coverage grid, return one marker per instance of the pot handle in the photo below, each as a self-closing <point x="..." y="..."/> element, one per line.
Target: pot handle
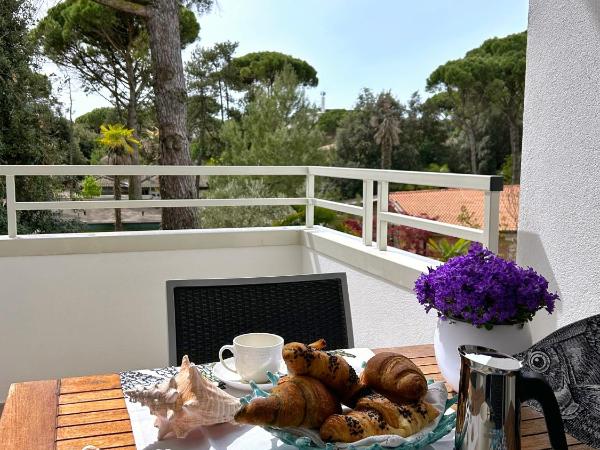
<point x="535" y="387"/>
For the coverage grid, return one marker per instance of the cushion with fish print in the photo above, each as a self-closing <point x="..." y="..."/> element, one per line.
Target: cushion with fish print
<point x="569" y="360"/>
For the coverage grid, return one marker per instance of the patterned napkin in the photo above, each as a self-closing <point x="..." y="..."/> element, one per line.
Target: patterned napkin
<point x="224" y="436"/>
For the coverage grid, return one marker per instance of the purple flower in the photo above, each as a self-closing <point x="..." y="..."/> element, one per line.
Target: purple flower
<point x="483" y="289"/>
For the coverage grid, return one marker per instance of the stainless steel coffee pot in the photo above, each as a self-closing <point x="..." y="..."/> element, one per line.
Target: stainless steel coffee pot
<point x="491" y="390"/>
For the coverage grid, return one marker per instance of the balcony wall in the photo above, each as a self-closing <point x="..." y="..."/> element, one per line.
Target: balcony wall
<point x="560" y="192"/>
<point x="101" y="307"/>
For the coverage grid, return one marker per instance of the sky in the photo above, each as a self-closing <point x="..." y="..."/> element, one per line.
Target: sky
<point x="380" y="44"/>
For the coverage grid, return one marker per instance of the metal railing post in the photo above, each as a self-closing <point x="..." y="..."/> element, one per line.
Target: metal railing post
<point x="491" y="226"/>
<point x="367" y="226"/>
<point x="310" y="200"/>
<point x="11" y="210"/>
<point x="382" y="206"/>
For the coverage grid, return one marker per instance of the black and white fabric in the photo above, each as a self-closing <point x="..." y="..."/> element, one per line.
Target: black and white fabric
<point x="569" y="359"/>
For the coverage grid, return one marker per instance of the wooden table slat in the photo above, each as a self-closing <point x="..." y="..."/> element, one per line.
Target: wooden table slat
<point x="78" y="397"/>
<point x="542" y="441"/>
<point x="425" y="361"/>
<point x="100" y="405"/>
<point x="29" y="416"/>
<point x="108" y="441"/>
<point x="92" y="417"/>
<point x="414" y="351"/>
<point x="93" y="429"/>
<point x="90" y="383"/>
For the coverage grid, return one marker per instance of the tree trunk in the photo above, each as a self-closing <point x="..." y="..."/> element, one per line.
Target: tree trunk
<point x="171" y="111"/>
<point x="386" y="156"/>
<point x="221" y="101"/>
<point x="515" y="149"/>
<point x="117" y="195"/>
<point x="472" y="149"/>
<point x="135" y="183"/>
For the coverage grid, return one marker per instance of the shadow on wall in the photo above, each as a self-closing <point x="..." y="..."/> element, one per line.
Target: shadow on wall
<point x="594" y="7"/>
<point x="531" y="252"/>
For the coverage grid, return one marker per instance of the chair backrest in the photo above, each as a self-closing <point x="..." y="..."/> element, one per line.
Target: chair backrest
<point x="204" y="315"/>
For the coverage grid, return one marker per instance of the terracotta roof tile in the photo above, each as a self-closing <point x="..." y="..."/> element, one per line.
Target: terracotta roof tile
<point x="449" y="205"/>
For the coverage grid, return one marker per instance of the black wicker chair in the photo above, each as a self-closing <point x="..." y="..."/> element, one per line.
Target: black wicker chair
<point x="203" y="315"/>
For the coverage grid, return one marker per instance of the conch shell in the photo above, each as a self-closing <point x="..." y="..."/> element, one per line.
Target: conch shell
<point x="186" y="401"/>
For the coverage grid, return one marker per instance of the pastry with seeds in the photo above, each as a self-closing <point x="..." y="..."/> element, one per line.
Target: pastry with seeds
<point x="375" y="415"/>
<point x="333" y="371"/>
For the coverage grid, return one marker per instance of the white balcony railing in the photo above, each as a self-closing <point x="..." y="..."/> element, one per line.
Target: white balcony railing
<point x="491" y="185"/>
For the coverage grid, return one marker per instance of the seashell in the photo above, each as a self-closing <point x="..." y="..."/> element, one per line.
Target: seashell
<point x="186" y="401"/>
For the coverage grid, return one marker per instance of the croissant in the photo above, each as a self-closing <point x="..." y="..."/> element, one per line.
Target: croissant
<point x="376" y="415"/>
<point x="296" y="401"/>
<point x="333" y="371"/>
<point x="396" y="377"/>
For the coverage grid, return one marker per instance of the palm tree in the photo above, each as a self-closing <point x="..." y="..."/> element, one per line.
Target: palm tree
<point x="118" y="142"/>
<point x="386" y="121"/>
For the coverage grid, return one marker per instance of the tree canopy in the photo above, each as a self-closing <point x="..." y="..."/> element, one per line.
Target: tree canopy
<point x="263" y="67"/>
<point x="107" y="49"/>
<point x="487" y="82"/>
<point x="31" y="128"/>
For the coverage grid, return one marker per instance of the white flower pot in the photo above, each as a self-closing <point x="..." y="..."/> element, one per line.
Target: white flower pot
<point x="450" y="334"/>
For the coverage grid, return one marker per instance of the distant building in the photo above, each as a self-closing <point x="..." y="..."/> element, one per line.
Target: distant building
<point x="463" y="207"/>
<point x="150" y="185"/>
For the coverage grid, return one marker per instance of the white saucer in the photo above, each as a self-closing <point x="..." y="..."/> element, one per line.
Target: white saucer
<point x="234" y="381"/>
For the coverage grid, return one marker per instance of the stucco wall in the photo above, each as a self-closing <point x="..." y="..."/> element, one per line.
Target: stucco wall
<point x="383" y="314"/>
<point x="559" y="227"/>
<point x="69" y="315"/>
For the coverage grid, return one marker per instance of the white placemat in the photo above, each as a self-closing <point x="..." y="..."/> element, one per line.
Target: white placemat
<point x="216" y="437"/>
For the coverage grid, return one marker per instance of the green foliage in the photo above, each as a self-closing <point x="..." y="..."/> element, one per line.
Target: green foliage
<point x="118" y="140"/>
<point x="330" y="120"/>
<point x="241" y="216"/>
<point x="278" y="128"/>
<point x="264" y="67"/>
<point x="446" y="249"/>
<point x="106" y="48"/>
<point x="31" y="130"/>
<point x="323" y="217"/>
<point x="98" y="116"/>
<point x="420" y="141"/>
<point x="386" y="120"/>
<point x="482" y="94"/>
<point x="90" y="188"/>
<point x="434" y="167"/>
<point x="507" y="169"/>
<point x="210" y="82"/>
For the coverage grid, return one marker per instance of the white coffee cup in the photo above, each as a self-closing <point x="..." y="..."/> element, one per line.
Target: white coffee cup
<point x="254" y="354"/>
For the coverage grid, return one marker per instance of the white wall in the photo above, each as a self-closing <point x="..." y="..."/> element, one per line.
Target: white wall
<point x="383" y="314"/>
<point x="72" y="315"/>
<point x="559" y="226"/>
<point x="78" y="314"/>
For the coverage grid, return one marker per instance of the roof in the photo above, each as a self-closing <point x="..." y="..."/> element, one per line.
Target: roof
<point x="458" y="206"/>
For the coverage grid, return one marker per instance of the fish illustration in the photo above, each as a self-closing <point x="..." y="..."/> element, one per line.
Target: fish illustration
<point x="569" y="360"/>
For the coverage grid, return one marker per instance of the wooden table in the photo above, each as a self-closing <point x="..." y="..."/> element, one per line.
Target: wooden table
<point x="73" y="412"/>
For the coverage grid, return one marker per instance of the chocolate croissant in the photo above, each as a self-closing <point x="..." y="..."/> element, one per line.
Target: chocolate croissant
<point x="333" y="371"/>
<point x="296" y="401"/>
<point x="376" y="415"/>
<point x="396" y="377"/>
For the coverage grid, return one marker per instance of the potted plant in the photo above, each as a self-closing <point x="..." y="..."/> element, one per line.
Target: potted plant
<point x="481" y="299"/>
